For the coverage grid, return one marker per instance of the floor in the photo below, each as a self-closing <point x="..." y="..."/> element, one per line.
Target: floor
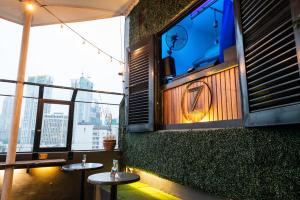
<point x="140" y="191"/>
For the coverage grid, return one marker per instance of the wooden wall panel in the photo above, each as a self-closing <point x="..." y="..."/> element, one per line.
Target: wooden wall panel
<point x="223" y="93"/>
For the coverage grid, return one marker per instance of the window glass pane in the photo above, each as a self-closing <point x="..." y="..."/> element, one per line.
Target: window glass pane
<point x="6" y="110"/>
<point x="57" y="93"/>
<point x="27" y="124"/>
<point x="90" y="127"/>
<point x="31" y="91"/>
<point x="26" y="127"/>
<point x="7" y="88"/>
<point x="94" y="97"/>
<point x="54" y="126"/>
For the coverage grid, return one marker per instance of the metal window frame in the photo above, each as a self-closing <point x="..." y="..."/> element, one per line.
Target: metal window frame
<point x="72" y="103"/>
<point x="276" y="116"/>
<point x="39" y="120"/>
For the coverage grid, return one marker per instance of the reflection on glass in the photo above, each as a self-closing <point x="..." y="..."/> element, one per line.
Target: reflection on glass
<point x="89" y="127"/>
<point x="57" y="93"/>
<point x="26" y="127"/>
<point x="54" y="126"/>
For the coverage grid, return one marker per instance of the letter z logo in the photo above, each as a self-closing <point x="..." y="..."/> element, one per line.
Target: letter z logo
<point x="197" y="89"/>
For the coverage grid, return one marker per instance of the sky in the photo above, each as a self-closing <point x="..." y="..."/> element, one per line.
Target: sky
<point x="58" y="52"/>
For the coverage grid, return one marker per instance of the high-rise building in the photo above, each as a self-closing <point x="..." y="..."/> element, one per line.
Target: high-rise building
<point x="6" y="118"/>
<point x="29" y="116"/>
<point x="82" y="112"/>
<point x="54" y="130"/>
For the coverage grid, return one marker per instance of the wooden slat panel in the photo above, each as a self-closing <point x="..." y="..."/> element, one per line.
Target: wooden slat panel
<point x="211" y="112"/>
<point x="233" y="94"/>
<point x="181" y="113"/>
<point x="206" y="98"/>
<point x="215" y="98"/>
<point x="219" y="95"/>
<point x="225" y="99"/>
<point x="228" y="94"/>
<point x="238" y="95"/>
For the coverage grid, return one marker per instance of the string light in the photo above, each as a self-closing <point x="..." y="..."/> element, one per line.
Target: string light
<point x="29" y="7"/>
<point x="78" y="34"/>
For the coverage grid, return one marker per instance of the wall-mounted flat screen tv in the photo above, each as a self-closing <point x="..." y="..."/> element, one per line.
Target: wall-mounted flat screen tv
<point x="198" y="40"/>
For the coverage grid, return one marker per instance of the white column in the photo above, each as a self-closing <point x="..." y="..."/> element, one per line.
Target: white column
<point x="12" y="145"/>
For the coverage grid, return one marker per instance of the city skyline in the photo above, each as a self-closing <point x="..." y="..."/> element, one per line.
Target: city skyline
<point x="54" y="123"/>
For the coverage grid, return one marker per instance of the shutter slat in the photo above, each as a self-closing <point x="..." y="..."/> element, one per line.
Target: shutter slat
<point x="138" y="65"/>
<point x="272" y="74"/>
<point x="247" y="4"/>
<point x="266" y="90"/>
<point x="274" y="101"/>
<point x="265" y="66"/>
<point x="272" y="68"/>
<point x="262" y="49"/>
<point x="136" y="80"/>
<point x="274" y="52"/>
<point x="139" y="86"/>
<point x="279" y="93"/>
<point x="252" y="14"/>
<point x="257" y="44"/>
<point x="259" y="19"/>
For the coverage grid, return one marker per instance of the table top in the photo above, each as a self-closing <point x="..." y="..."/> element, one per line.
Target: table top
<point x="79" y="166"/>
<point x="106" y="179"/>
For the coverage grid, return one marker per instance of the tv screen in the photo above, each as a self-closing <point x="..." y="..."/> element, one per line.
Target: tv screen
<point x="198" y="40"/>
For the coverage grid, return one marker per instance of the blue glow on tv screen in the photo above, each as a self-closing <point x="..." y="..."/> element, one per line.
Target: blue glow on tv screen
<point x="198" y="40"/>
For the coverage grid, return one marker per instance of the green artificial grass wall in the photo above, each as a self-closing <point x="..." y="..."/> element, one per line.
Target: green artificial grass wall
<point x="235" y="163"/>
<point x="150" y="16"/>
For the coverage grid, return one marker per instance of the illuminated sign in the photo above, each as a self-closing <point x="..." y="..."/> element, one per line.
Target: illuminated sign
<point x="196" y="101"/>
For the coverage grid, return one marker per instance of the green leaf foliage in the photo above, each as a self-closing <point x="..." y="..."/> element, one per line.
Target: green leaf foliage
<point x="150" y="16"/>
<point x="236" y="163"/>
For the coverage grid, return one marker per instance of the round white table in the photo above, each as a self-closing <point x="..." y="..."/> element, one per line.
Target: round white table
<point x="105" y="178"/>
<point x="82" y="168"/>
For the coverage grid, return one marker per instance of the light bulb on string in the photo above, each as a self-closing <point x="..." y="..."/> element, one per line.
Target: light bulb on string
<point x="121" y="69"/>
<point x="29" y="7"/>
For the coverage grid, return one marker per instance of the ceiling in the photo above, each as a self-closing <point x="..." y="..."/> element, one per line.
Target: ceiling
<point x="66" y="10"/>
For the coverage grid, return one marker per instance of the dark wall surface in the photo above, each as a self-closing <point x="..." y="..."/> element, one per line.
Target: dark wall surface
<point x="149" y="17"/>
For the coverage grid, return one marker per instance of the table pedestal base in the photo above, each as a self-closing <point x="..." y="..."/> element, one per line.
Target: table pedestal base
<point x="97" y="193"/>
<point x="113" y="192"/>
<point x="82" y="182"/>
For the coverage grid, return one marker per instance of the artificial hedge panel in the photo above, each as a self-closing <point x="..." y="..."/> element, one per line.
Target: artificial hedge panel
<point x="260" y="163"/>
<point x="150" y="16"/>
<point x="235" y="163"/>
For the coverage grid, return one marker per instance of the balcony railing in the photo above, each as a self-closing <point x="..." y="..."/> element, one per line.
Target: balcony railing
<point x="59" y="118"/>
